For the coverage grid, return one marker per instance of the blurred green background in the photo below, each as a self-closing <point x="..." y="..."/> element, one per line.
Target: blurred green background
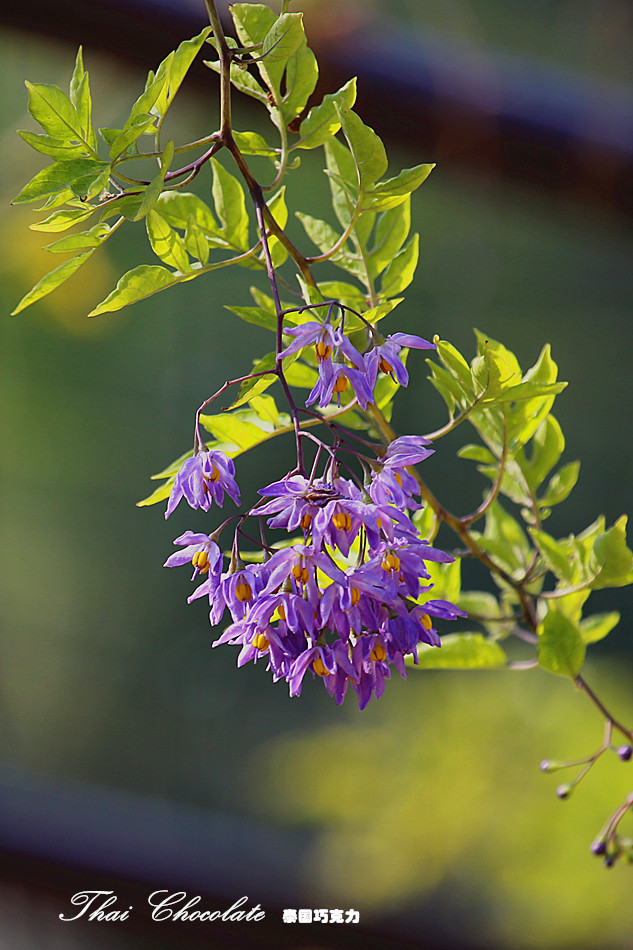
<point x="427" y="811"/>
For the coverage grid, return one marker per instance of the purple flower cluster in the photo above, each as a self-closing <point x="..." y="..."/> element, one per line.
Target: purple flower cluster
<point x="340" y="364"/>
<point x="348" y="598"/>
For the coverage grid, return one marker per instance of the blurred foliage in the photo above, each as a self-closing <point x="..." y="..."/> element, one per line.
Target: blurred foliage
<point x="432" y="804"/>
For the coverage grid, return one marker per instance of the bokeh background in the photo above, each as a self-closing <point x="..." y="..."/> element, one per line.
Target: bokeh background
<point x="134" y="758"/>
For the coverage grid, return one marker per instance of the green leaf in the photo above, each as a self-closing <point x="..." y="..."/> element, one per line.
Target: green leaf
<point x="177" y="207"/>
<point x="135" y="285"/>
<point x="166" y="242"/>
<point x="92" y="184"/>
<point x="401" y="270"/>
<point x="323" y="121"/>
<point x="179" y="65"/>
<point x="257" y="316"/>
<point x="319" y="232"/>
<point x="373" y="315"/>
<point x="546" y="446"/>
<point x="230" y="428"/>
<point x="392" y="229"/>
<point x="241" y="79"/>
<point x="253" y="387"/>
<point x="613" y="558"/>
<point x="252" y="143"/>
<point x="278" y="209"/>
<point x="366" y="147"/>
<point x="58" y="177"/>
<point x="477" y="453"/>
<point x="598" y="626"/>
<point x="302" y="73"/>
<point x="505" y="540"/>
<point x="284" y="37"/>
<point x="129" y="135"/>
<point x="56" y="114"/>
<point x="483" y="607"/>
<point x="153" y="89"/>
<point x="341" y="171"/>
<point x="301" y="375"/>
<point x="55" y="148"/>
<point x="230" y="206"/>
<point x="62" y="220"/>
<point x="253" y="22"/>
<point x="348" y="294"/>
<point x="555" y="554"/>
<point x="462" y="651"/>
<point x="446" y="580"/>
<point x="80" y="242"/>
<point x="266" y="408"/>
<point x="529" y="414"/>
<point x="153" y="191"/>
<point x="81" y="99"/>
<point x="561" y="649"/>
<point x="52" y="280"/>
<point x="561" y="484"/>
<point x="196" y="241"/>
<point x="393" y="191"/>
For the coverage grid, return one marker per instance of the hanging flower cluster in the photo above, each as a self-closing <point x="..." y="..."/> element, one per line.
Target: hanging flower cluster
<point x="349" y="597"/>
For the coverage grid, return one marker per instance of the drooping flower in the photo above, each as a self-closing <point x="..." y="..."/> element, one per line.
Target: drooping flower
<point x="202" y="480"/>
<point x="200" y="550"/>
<point x="385" y="356"/>
<point x="392" y="484"/>
<point x="326" y="341"/>
<point x="334" y="378"/>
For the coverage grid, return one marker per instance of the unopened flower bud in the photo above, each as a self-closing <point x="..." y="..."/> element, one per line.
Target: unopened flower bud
<point x="598" y="847"/>
<point x="625" y="752"/>
<point x="564" y="791"/>
<point x="545" y="765"/>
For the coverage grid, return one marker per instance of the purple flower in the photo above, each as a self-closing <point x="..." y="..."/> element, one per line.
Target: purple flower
<point x="385" y="357"/>
<point x="202" y="480"/>
<point x="393" y="484"/>
<point x="201" y="551"/>
<point x="334" y="377"/>
<point x="326" y="340"/>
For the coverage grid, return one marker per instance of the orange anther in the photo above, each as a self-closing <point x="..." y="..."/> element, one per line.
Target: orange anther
<point x="342" y="520"/>
<point x="243" y="590"/>
<point x="340" y="385"/>
<point x="260" y="642"/>
<point x="323" y="351"/>
<point x="378" y="653"/>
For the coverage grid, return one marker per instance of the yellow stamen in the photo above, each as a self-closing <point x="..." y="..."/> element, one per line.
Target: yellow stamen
<point x="323" y="351"/>
<point x="260" y="642"/>
<point x="398" y="478"/>
<point x="385" y="366"/>
<point x="319" y="667"/>
<point x="378" y="653"/>
<point x="200" y="560"/>
<point x="340" y="385"/>
<point x="342" y="520"/>
<point x="379" y="523"/>
<point x="355" y="595"/>
<point x="215" y="473"/>
<point x="281" y="611"/>
<point x="306" y="521"/>
<point x="243" y="590"/>
<point x="391" y="562"/>
<point x="426" y="621"/>
<point x="300" y="574"/>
